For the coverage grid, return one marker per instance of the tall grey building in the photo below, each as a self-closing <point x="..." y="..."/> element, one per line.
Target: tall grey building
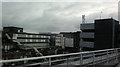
<point x="87" y="36"/>
<point x="103" y="34"/>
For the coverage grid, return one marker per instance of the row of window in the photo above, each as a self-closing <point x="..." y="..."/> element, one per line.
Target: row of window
<point x="32" y="40"/>
<point x="7" y="47"/>
<point x="32" y="36"/>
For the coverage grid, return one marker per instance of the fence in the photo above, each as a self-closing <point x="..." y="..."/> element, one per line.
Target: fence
<point x="80" y="58"/>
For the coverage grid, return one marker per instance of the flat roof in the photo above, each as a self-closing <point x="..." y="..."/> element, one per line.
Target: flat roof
<point x="13" y="27"/>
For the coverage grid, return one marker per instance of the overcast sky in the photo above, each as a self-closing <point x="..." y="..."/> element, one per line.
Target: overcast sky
<point x="60" y="0"/>
<point x="55" y="16"/>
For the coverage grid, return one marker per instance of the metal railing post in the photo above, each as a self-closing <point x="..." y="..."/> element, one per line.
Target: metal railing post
<point x="67" y="62"/>
<point x="93" y="59"/>
<point x="81" y="59"/>
<point x="101" y="58"/>
<point x="49" y="61"/>
<point x="116" y="54"/>
<point x="107" y="56"/>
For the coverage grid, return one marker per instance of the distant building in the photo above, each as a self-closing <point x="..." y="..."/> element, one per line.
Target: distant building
<point x="18" y="44"/>
<point x="59" y="41"/>
<point x="87" y="36"/>
<point x="103" y="34"/>
<point x="72" y="41"/>
<point x="27" y="39"/>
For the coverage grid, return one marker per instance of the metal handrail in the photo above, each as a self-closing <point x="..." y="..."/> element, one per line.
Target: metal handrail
<point x="60" y="55"/>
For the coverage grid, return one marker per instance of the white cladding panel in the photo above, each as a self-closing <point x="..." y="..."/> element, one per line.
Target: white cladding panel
<point x="59" y="40"/>
<point x="69" y="42"/>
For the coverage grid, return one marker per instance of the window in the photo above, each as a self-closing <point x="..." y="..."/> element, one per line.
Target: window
<point x="18" y="30"/>
<point x="39" y="40"/>
<point x="26" y="35"/>
<point x="5" y="47"/>
<point x="14" y="36"/>
<point x="8" y="47"/>
<point x="88" y="39"/>
<point x="31" y="40"/>
<point x="31" y="35"/>
<point x="39" y="36"/>
<point x="28" y="40"/>
<point x="36" y="40"/>
<point x="42" y="40"/>
<point x="34" y="36"/>
<point x="22" y="40"/>
<point x="19" y="35"/>
<point x="42" y="36"/>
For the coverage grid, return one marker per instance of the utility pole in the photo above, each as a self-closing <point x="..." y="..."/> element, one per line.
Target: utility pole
<point x="100" y="14"/>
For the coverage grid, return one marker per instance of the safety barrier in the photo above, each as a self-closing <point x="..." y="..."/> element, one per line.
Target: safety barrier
<point x="80" y="58"/>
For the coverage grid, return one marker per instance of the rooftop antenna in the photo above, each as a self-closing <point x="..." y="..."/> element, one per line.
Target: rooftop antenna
<point x="83" y="18"/>
<point x="101" y="14"/>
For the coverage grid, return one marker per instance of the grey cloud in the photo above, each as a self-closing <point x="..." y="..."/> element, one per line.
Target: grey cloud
<point x="60" y="0"/>
<point x="50" y="16"/>
<point x="0" y="16"/>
